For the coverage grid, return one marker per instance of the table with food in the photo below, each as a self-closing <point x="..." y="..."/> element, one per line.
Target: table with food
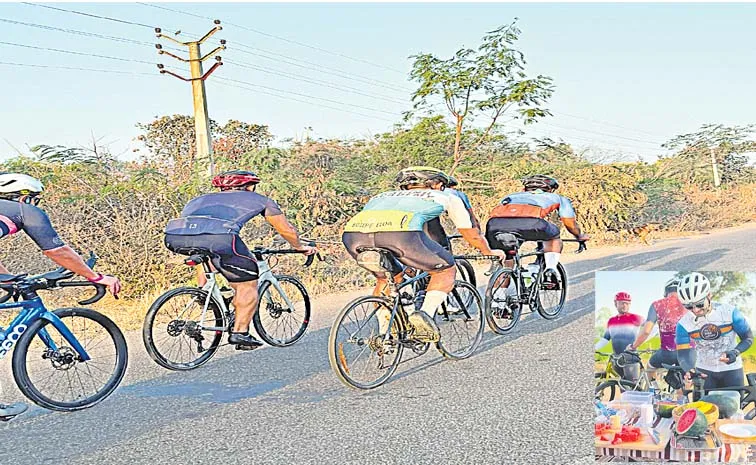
<point x="641" y="428"/>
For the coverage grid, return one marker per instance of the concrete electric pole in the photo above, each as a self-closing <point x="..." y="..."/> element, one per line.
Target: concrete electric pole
<point x="204" y="141"/>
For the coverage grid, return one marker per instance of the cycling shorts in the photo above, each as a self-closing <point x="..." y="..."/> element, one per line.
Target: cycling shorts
<point x="229" y="255"/>
<point x="412" y="248"/>
<point x="530" y="229"/>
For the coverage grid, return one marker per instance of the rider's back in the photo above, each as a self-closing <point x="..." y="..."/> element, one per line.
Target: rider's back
<point x="533" y="204"/>
<point x="222" y="212"/>
<point x="16" y="216"/>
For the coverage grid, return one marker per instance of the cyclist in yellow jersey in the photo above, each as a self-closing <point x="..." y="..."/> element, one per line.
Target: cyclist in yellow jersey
<point x="394" y="221"/>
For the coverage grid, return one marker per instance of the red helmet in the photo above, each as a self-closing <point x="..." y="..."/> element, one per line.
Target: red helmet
<point x="622" y="297"/>
<point x="234" y="179"/>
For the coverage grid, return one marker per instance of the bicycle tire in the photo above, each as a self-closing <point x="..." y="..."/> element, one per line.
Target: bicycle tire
<point x="257" y="320"/>
<point x="494" y="312"/>
<point x="33" y="393"/>
<point x="148" y="333"/>
<point x="615" y="386"/>
<point x="457" y="295"/>
<point x="466" y="271"/>
<point x="337" y="357"/>
<point x="550" y="315"/>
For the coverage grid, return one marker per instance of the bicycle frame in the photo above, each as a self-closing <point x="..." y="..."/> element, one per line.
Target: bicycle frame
<point x="31" y="311"/>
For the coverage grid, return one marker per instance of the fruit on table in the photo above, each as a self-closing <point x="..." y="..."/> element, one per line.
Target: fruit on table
<point x="665" y="408"/>
<point x="692" y="423"/>
<point x="627" y="434"/>
<point x="710" y="411"/>
<point x="727" y="405"/>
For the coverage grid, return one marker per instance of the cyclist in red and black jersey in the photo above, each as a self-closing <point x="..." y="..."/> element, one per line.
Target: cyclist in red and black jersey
<point x="213" y="222"/>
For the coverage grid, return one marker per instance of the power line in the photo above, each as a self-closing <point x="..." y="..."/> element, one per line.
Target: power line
<point x="308" y="96"/>
<point x="77" y="53"/>
<point x="320" y="105"/>
<point x="123" y="21"/>
<point x="291" y="41"/>
<point x="600" y="133"/>
<point x="605" y="123"/>
<point x="316" y="81"/>
<point x="76" y="68"/>
<point x="74" y="31"/>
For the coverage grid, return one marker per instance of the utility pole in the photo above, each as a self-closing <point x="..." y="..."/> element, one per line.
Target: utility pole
<point x="204" y="141"/>
<point x="717" y="180"/>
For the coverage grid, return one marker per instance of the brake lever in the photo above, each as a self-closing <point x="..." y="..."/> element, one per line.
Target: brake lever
<point x="582" y="247"/>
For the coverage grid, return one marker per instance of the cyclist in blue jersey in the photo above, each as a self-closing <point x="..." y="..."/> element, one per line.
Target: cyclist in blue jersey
<point x="712" y="327"/>
<point x="523" y="213"/>
<point x="19" y="197"/>
<point x="395" y="221"/>
<point x="212" y="222"/>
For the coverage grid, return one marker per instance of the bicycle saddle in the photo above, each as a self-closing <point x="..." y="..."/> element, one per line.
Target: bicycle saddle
<point x="378" y="260"/>
<point x="197" y="255"/>
<point x="509" y="242"/>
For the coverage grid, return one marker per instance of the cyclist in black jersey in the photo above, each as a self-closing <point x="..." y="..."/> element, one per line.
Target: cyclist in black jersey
<point x="212" y="222"/>
<point x="19" y="197"/>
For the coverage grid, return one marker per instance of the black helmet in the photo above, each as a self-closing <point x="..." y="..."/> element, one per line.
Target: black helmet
<point x="452" y="181"/>
<point x="540" y="181"/>
<point x="422" y="175"/>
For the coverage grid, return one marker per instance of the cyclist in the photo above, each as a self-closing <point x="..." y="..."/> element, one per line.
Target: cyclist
<point x="212" y="222"/>
<point x="666" y="313"/>
<point x="19" y="197"/>
<point x="394" y="221"/>
<point x="712" y="326"/>
<point x="433" y="228"/>
<point x="621" y="330"/>
<point x="523" y="213"/>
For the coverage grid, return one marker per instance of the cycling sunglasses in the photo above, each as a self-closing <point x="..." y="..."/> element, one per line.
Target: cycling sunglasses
<point x="30" y="199"/>
<point x="699" y="305"/>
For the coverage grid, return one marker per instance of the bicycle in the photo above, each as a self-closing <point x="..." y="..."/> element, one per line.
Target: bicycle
<point x="609" y="383"/>
<point x="357" y="327"/>
<point x="185" y="324"/>
<point x="85" y="349"/>
<point x="464" y="267"/>
<point x="505" y="304"/>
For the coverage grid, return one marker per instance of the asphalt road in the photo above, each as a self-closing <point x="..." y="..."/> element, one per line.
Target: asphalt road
<point x="522" y="398"/>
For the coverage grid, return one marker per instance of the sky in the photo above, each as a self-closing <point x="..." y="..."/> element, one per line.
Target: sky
<point x="644" y="288"/>
<point x="628" y="76"/>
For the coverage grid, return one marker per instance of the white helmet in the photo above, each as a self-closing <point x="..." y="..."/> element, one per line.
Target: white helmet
<point x="693" y="288"/>
<point x="16" y="183"/>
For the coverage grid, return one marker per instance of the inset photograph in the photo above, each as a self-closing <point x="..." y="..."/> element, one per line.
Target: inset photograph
<point x="675" y="371"/>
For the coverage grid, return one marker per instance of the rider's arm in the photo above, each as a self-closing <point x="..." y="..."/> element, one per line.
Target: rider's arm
<point x="686" y="355"/>
<point x="646" y="329"/>
<point x="601" y="343"/>
<point x="3" y="269"/>
<point x="286" y="230"/>
<point x="67" y="258"/>
<point x="743" y="330"/>
<point x="461" y="219"/>
<point x="567" y="215"/>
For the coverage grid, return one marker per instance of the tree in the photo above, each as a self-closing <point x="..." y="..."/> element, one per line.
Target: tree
<point x="239" y="138"/>
<point x="711" y="147"/>
<point x="488" y="81"/>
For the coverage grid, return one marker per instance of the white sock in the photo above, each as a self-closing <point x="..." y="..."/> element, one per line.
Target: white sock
<point x="552" y="260"/>
<point x="432" y="301"/>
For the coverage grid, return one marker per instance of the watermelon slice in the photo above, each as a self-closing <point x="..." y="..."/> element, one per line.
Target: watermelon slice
<point x="692" y="423"/>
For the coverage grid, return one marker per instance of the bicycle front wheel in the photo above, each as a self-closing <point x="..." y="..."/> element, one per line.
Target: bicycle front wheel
<point x="612" y="389"/>
<point x="57" y="378"/>
<point x="278" y="323"/>
<point x="552" y="296"/>
<point x="460" y="321"/>
<point x="502" y="308"/>
<point x="466" y="271"/>
<point x="173" y="332"/>
<point x="360" y="355"/>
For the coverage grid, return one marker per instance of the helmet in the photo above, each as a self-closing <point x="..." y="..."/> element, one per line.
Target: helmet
<point x="16" y="183"/>
<point x="415" y="175"/>
<point x="622" y="297"/>
<point x="452" y="181"/>
<point x="671" y="285"/>
<point x="540" y="181"/>
<point x="693" y="288"/>
<point x="234" y="179"/>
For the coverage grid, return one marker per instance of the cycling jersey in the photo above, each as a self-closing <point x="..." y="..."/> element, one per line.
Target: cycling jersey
<point x="16" y="216"/>
<point x="462" y="196"/>
<point x="221" y="213"/>
<point x="713" y="335"/>
<point x="666" y="312"/>
<point x="408" y="210"/>
<point x="621" y="330"/>
<point x="533" y="204"/>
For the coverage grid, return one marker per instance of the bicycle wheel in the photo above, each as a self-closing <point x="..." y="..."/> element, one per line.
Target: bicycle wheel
<point x="358" y="354"/>
<point x="59" y="379"/>
<point x="172" y="334"/>
<point x="460" y="321"/>
<point x="551" y="297"/>
<point x="610" y="390"/>
<point x="466" y="271"/>
<point x="275" y="321"/>
<point x="502" y="310"/>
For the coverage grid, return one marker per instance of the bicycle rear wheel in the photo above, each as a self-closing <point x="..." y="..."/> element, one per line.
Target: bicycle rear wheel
<point x="359" y="355"/>
<point x="460" y="321"/>
<point x="172" y="333"/>
<point x="502" y="309"/>
<point x="278" y="323"/>
<point x="552" y="296"/>
<point x="58" y="379"/>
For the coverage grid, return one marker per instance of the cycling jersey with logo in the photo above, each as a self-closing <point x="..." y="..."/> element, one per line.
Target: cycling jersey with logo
<point x="533" y="204"/>
<point x="621" y="330"/>
<point x="16" y="216"/>
<point x="667" y="312"/>
<point x="221" y="213"/>
<point x="462" y="196"/>
<point x="713" y="334"/>
<point x="408" y="210"/>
